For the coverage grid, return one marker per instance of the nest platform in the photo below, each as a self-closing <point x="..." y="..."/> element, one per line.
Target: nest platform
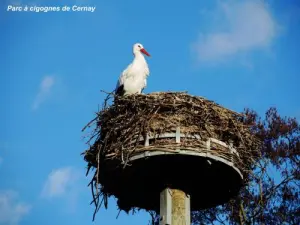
<point x="145" y="143"/>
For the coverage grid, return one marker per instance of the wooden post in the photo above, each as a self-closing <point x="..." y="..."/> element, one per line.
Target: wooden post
<point x="174" y="203"/>
<point x="174" y="207"/>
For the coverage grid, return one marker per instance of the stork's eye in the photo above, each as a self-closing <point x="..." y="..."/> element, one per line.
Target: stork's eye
<point x="139" y="46"/>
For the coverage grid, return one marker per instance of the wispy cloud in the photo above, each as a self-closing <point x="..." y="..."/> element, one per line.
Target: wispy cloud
<point x="60" y="182"/>
<point x="11" y="209"/>
<point x="64" y="183"/>
<point x="45" y="89"/>
<point x="242" y="26"/>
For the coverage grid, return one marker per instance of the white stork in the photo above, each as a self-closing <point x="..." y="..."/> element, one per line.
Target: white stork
<point x="133" y="79"/>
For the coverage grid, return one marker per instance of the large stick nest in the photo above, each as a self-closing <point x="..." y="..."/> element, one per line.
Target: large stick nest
<point x="119" y="127"/>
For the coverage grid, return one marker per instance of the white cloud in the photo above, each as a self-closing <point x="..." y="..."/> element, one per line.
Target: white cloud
<point x="242" y="26"/>
<point x="44" y="91"/>
<point x="64" y="184"/>
<point x="11" y="209"/>
<point x="60" y="182"/>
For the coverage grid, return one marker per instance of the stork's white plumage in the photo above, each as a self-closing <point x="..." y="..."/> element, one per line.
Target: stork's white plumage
<point x="133" y="79"/>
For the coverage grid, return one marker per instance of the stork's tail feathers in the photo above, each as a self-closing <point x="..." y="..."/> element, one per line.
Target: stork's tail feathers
<point x="120" y="90"/>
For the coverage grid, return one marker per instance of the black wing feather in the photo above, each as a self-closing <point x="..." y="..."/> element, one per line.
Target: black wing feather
<point x="120" y="90"/>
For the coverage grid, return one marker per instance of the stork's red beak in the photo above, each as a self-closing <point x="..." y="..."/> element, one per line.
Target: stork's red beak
<point x="145" y="52"/>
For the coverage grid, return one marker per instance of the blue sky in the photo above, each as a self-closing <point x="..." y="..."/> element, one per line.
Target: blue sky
<point x="53" y="66"/>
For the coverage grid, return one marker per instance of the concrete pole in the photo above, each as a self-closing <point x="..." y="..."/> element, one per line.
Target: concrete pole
<point x="174" y="207"/>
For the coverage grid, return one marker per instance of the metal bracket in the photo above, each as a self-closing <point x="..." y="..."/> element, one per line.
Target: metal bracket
<point x="147" y="140"/>
<point x="178" y="138"/>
